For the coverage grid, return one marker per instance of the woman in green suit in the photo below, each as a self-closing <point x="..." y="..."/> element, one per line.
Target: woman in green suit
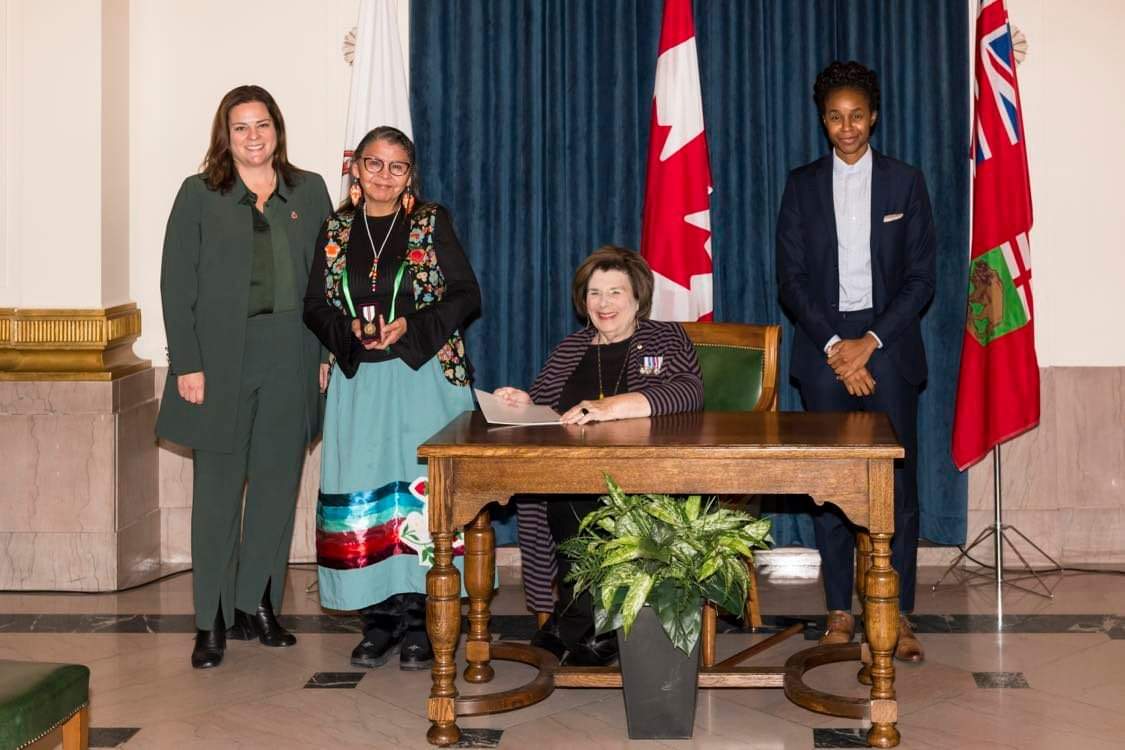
<point x="242" y="388"/>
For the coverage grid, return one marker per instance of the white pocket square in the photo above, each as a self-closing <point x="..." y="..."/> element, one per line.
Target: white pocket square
<point x="888" y="218"/>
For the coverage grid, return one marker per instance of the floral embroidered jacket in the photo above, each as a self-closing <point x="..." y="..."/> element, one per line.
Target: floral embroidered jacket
<point x="438" y="292"/>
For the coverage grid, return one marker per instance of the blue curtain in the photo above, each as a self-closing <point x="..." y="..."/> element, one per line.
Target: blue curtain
<point x="531" y="119"/>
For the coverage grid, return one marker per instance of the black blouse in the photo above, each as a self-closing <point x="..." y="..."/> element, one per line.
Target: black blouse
<point x="583" y="383"/>
<point x="427" y="329"/>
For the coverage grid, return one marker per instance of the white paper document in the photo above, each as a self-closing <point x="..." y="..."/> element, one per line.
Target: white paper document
<point x="497" y="412"/>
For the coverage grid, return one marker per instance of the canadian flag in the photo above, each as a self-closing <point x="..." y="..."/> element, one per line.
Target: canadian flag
<point x="676" y="238"/>
<point x="379" y="92"/>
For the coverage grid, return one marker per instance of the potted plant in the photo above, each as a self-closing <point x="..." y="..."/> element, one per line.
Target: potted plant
<point x="649" y="562"/>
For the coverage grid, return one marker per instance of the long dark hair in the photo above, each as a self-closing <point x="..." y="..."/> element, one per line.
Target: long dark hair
<point x="398" y="138"/>
<point x="218" y="165"/>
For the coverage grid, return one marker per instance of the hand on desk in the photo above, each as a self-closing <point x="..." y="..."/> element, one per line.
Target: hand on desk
<point x="623" y="406"/>
<point x="512" y="396"/>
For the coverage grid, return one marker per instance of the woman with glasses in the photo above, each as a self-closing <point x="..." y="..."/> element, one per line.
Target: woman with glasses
<point x="242" y="370"/>
<point x="388" y="295"/>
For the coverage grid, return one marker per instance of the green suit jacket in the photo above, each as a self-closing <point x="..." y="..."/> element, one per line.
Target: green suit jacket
<point x="205" y="286"/>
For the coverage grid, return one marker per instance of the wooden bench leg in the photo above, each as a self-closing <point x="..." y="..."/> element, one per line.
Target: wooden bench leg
<point x="707" y="635"/>
<point x="76" y="731"/>
<point x="753" y="602"/>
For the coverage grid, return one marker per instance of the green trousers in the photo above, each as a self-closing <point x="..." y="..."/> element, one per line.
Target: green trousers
<point x="235" y="551"/>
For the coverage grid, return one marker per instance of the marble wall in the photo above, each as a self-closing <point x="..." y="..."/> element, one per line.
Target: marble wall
<point x="79" y="506"/>
<point x="1063" y="484"/>
<point x="90" y="502"/>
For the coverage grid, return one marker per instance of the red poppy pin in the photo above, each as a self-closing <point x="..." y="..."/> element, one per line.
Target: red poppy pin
<point x="331" y="250"/>
<point x="416" y="256"/>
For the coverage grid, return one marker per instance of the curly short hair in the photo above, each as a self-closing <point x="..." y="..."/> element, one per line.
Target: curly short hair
<point x="846" y="75"/>
<point x="613" y="258"/>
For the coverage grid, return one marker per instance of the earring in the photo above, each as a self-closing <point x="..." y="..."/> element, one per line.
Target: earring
<point x="355" y="193"/>
<point x="408" y="199"/>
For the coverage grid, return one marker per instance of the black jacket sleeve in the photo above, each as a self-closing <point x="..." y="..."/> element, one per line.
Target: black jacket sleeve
<point x="332" y="326"/>
<point x="428" y="329"/>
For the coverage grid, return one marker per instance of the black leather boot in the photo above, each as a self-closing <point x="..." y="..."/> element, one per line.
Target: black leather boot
<point x="210" y="644"/>
<point x="262" y="625"/>
<point x="382" y="637"/>
<point x="547" y="637"/>
<point x="415" y="653"/>
<point x="593" y="651"/>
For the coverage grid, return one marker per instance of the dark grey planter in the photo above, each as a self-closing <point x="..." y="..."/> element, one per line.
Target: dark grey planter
<point x="659" y="681"/>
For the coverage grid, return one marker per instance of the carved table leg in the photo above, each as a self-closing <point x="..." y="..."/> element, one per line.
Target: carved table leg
<point x="479" y="568"/>
<point x="880" y="621"/>
<point x="862" y="565"/>
<point x="443" y="611"/>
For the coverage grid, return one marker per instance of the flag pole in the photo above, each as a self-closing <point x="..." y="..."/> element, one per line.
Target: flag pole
<point x="998" y="532"/>
<point x="995" y="573"/>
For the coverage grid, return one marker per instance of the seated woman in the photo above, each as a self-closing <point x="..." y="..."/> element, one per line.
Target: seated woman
<point x="626" y="366"/>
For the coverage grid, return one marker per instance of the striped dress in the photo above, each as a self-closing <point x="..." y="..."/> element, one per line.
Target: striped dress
<point x="661" y="364"/>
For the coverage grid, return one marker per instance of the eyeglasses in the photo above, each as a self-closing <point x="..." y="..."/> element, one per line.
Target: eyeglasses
<point x="375" y="165"/>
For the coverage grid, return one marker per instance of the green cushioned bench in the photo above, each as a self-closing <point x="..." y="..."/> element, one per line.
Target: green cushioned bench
<point x="37" y="698"/>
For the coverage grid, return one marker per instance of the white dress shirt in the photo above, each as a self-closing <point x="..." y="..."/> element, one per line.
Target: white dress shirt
<point x="851" y="201"/>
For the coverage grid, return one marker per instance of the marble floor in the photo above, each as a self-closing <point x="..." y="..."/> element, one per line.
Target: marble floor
<point x="1052" y="676"/>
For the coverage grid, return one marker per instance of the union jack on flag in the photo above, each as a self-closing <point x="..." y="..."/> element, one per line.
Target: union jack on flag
<point x="1000" y="103"/>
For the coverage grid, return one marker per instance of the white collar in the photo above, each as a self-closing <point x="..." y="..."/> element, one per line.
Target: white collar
<point x="841" y="167"/>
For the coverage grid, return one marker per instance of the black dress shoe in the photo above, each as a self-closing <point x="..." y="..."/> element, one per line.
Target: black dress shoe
<point x="547" y="638"/>
<point x="416" y="653"/>
<point x="210" y="645"/>
<point x="262" y="625"/>
<point x="596" y="651"/>
<point x="375" y="649"/>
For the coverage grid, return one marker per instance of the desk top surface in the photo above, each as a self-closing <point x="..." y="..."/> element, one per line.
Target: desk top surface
<point x="711" y="434"/>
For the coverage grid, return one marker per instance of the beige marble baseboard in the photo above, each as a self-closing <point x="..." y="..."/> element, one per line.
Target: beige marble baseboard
<point x="79" y="509"/>
<point x="1064" y="483"/>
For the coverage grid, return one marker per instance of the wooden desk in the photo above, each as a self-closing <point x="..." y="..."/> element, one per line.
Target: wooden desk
<point x="843" y="458"/>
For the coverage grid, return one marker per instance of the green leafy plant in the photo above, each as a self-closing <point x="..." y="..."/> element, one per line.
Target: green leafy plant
<point x="667" y="552"/>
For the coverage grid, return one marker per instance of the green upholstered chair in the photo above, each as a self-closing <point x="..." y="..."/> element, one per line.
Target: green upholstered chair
<point x="739" y="363"/>
<point x="37" y="698"/>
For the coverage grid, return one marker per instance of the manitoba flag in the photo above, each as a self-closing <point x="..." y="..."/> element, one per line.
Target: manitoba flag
<point x="676" y="238"/>
<point x="998" y="387"/>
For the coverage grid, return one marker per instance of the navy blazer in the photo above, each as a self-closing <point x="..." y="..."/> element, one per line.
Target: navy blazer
<point x="902" y="262"/>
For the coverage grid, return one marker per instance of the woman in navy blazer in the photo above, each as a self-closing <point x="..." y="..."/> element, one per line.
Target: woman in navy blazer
<point x="621" y="365"/>
<point x="855" y="260"/>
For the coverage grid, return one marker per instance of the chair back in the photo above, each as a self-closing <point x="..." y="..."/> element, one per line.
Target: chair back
<point x="739" y="363"/>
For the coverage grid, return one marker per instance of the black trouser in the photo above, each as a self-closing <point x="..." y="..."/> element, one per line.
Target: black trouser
<point x="575" y="616"/>
<point x="835" y="535"/>
<point x="394" y="616"/>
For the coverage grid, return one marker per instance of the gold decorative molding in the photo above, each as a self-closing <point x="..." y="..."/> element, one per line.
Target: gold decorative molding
<point x="65" y="344"/>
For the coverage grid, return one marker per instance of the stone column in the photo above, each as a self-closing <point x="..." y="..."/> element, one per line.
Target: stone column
<point x="79" y="508"/>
